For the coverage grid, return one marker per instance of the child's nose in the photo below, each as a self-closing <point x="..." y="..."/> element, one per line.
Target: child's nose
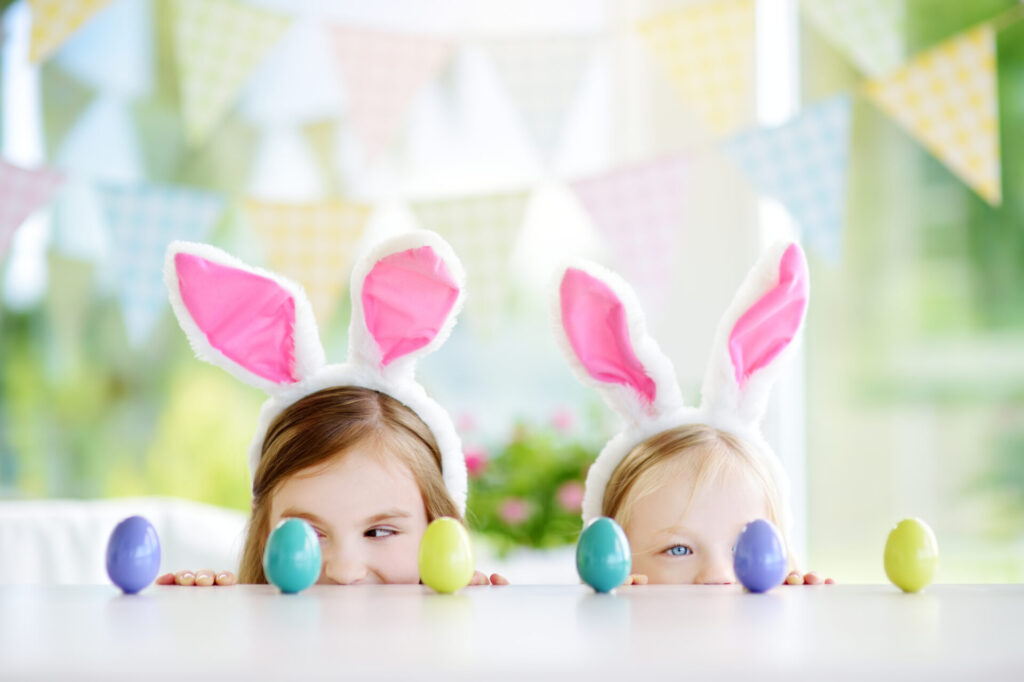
<point x="343" y="570"/>
<point x="716" y="570"/>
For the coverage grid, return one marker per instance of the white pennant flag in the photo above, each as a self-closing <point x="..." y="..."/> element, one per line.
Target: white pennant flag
<point x="543" y="76"/>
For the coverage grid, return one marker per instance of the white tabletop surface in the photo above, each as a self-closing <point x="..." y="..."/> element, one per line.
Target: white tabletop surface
<point x="517" y="632"/>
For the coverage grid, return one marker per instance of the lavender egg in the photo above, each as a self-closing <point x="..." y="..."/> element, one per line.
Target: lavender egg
<point x="133" y="554"/>
<point x="760" y="559"/>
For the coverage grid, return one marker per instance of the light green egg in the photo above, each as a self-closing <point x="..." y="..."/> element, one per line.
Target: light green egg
<point x="446" y="558"/>
<point x="911" y="555"/>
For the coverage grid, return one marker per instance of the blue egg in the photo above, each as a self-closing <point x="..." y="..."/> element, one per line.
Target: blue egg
<point x="292" y="558"/>
<point x="603" y="558"/>
<point x="760" y="559"/>
<point x="133" y="554"/>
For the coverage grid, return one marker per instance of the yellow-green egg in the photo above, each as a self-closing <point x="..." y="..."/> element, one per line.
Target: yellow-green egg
<point x="911" y="555"/>
<point x="446" y="558"/>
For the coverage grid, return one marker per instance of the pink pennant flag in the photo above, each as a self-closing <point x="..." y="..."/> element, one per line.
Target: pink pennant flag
<point x="22" y="191"/>
<point x="638" y="209"/>
<point x="383" y="72"/>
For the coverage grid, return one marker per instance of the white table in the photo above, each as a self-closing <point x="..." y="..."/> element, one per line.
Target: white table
<point x="870" y="632"/>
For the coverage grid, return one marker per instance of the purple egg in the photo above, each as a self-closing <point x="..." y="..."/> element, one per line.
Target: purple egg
<point x="133" y="554"/>
<point x="760" y="559"/>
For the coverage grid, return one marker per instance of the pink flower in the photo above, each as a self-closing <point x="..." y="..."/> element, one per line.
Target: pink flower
<point x="563" y="419"/>
<point x="476" y="461"/>
<point x="570" y="496"/>
<point x="514" y="511"/>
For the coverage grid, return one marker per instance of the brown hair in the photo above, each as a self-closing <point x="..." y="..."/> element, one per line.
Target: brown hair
<point x="704" y="450"/>
<point x="325" y="425"/>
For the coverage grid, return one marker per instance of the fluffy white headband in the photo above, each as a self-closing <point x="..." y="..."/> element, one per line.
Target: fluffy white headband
<point x="259" y="326"/>
<point x="603" y="333"/>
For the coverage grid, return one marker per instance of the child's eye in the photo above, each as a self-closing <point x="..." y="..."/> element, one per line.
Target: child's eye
<point x="380" y="532"/>
<point x="678" y="550"/>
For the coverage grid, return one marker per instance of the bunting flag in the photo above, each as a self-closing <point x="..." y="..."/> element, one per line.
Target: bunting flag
<point x="483" y="231"/>
<point x="312" y="244"/>
<point x="142" y="220"/>
<point x="22" y="191"/>
<point x="53" y="22"/>
<point x="869" y="32"/>
<point x="382" y="73"/>
<point x="542" y="75"/>
<point x="218" y="43"/>
<point x="946" y="98"/>
<point x="64" y="101"/>
<point x="708" y="51"/>
<point x="638" y="209"/>
<point x="803" y="164"/>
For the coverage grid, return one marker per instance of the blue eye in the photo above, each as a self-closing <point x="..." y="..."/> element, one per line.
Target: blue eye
<point x="678" y="550"/>
<point x="380" y="532"/>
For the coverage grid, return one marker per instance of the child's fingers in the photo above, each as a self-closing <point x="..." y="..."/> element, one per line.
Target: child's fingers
<point x="794" y="578"/>
<point x="479" y="579"/>
<point x="205" y="577"/>
<point x="498" y="579"/>
<point x="829" y="581"/>
<point x="813" y="578"/>
<point x="165" y="579"/>
<point x="225" y="578"/>
<point x="185" y="578"/>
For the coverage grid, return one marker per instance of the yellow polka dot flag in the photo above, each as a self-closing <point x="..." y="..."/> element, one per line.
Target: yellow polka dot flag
<point x="53" y="22"/>
<point x="312" y="244"/>
<point x="946" y="98"/>
<point x="708" y="51"/>
<point x="217" y="44"/>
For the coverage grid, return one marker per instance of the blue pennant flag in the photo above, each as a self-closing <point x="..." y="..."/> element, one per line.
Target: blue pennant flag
<point x="803" y="163"/>
<point x="142" y="220"/>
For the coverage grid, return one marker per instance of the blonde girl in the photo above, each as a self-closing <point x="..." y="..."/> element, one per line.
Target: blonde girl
<point x="357" y="449"/>
<point x="683" y="481"/>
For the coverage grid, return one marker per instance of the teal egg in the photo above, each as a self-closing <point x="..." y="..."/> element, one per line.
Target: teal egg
<point x="603" y="558"/>
<point x="292" y="558"/>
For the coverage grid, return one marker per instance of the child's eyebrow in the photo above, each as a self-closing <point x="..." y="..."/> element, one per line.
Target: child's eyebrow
<point x="385" y="515"/>
<point x="675" y="530"/>
<point x="292" y="512"/>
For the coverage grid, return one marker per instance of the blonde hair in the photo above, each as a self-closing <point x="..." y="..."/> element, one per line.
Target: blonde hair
<point x="703" y="450"/>
<point x="325" y="425"/>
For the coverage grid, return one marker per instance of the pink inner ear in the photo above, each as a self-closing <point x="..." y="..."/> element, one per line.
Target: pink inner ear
<point x="595" y="322"/>
<point x="248" y="318"/>
<point x="406" y="299"/>
<point x="769" y="325"/>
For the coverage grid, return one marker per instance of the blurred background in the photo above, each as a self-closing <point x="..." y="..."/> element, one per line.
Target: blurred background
<point x="670" y="141"/>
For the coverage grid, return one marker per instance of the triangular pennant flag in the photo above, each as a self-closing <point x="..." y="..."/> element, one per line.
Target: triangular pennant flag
<point x="64" y="101"/>
<point x="638" y="209"/>
<point x="483" y="231"/>
<point x="542" y="75"/>
<point x="708" y="50"/>
<point x="946" y="98"/>
<point x="22" y="191"/>
<point x="869" y="32"/>
<point x="382" y="73"/>
<point x="218" y="43"/>
<point x="803" y="164"/>
<point x="312" y="244"/>
<point x="142" y="220"/>
<point x="53" y="22"/>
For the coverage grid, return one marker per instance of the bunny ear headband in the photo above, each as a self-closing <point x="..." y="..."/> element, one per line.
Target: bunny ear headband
<point x="260" y="327"/>
<point x="603" y="333"/>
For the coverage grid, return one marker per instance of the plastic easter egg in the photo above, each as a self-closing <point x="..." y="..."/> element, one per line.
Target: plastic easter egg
<point x="446" y="558"/>
<point x="292" y="559"/>
<point x="911" y="555"/>
<point x="133" y="554"/>
<point x="603" y="557"/>
<point x="760" y="558"/>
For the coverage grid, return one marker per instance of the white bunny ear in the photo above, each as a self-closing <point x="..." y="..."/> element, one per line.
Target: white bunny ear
<point x="764" y="318"/>
<point x="406" y="295"/>
<point x="603" y="333"/>
<point x="255" y="324"/>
